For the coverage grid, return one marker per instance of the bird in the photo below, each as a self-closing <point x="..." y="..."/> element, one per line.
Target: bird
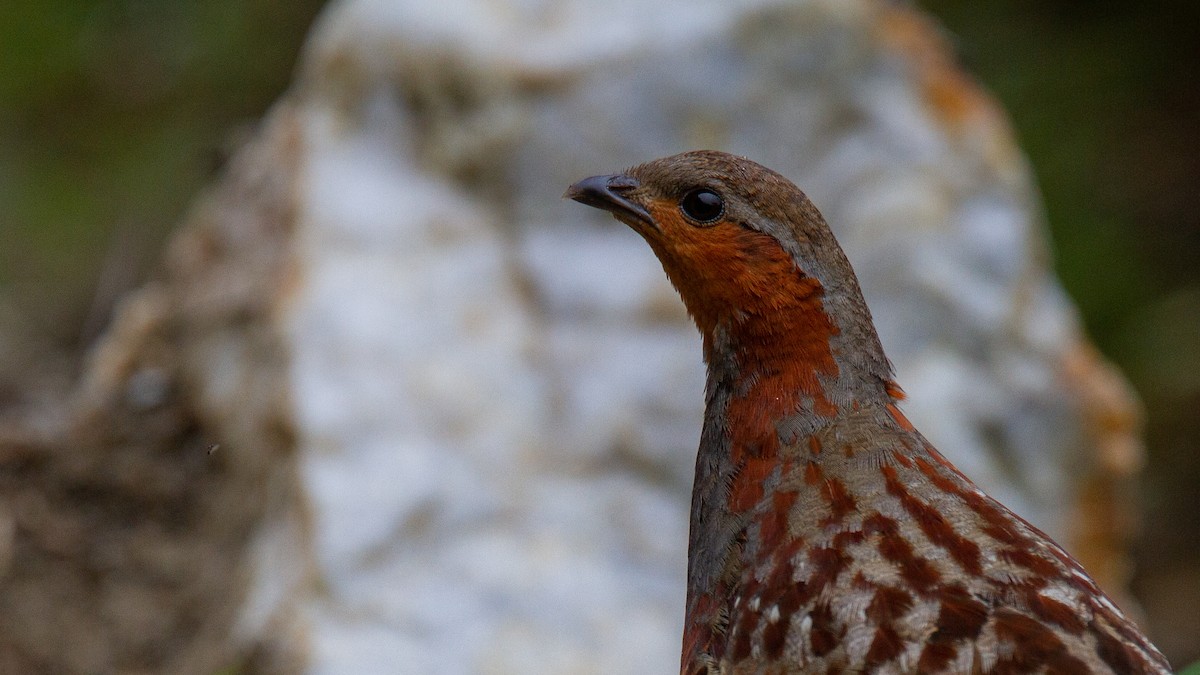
<point x="826" y="534"/>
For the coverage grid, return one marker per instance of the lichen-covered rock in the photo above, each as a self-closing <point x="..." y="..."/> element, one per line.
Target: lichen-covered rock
<point x="490" y="400"/>
<point x="498" y="395"/>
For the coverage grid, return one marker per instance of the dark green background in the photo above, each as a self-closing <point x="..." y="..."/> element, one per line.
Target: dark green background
<point x="114" y="113"/>
<point x="1105" y="99"/>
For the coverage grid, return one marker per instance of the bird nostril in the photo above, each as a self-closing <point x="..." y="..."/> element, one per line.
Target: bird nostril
<point x="622" y="183"/>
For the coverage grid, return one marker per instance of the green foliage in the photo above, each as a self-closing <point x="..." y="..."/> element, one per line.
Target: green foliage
<point x="112" y="114"/>
<point x="1104" y="101"/>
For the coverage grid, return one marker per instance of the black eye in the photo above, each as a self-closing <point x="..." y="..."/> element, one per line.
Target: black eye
<point x="702" y="205"/>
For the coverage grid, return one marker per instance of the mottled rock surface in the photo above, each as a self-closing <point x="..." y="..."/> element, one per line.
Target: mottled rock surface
<point x="487" y="399"/>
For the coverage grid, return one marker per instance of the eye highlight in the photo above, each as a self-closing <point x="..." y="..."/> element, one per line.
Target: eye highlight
<point x="702" y="205"/>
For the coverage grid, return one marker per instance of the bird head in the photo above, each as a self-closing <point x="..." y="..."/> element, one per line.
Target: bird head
<point x="741" y="243"/>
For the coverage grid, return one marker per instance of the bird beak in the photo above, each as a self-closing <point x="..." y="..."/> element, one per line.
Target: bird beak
<point x="605" y="192"/>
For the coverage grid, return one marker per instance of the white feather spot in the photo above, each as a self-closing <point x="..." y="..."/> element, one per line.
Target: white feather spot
<point x="1108" y="604"/>
<point x="773" y="614"/>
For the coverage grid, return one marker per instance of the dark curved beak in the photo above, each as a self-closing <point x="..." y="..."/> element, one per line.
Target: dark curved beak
<point x="606" y="192"/>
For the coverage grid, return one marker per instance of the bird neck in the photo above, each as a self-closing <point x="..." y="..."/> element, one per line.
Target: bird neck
<point x="775" y="379"/>
<point x="782" y="368"/>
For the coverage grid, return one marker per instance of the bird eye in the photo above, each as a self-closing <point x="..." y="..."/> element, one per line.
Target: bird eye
<point x="702" y="205"/>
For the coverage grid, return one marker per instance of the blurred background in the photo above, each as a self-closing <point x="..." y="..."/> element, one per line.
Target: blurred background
<point x="95" y="172"/>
